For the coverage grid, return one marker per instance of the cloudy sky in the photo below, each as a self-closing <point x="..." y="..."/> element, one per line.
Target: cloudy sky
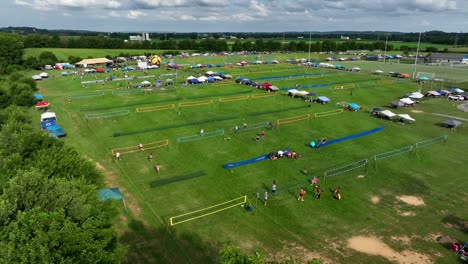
<point x="237" y="15"/>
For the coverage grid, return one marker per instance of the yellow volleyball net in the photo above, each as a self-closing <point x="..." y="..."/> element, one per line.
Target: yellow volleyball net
<point x="328" y="113"/>
<point x="155" y="108"/>
<point x="292" y="119"/>
<point x="232" y="99"/>
<point x="264" y="95"/>
<point x="195" y="103"/>
<point x="183" y="218"/>
<point x="137" y="148"/>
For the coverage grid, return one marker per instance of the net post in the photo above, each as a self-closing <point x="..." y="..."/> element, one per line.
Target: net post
<point x="375" y="162"/>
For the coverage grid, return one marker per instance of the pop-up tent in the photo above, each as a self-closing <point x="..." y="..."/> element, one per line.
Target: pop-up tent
<point x="42" y="105"/>
<point x="387" y="113"/>
<point x="452" y="123"/>
<point x="407" y="101"/>
<point x="145" y="84"/>
<point x="44" y="75"/>
<point x="406" y="117"/>
<point x="52" y="128"/>
<point x="416" y="95"/>
<point x="48" y="116"/>
<point x="353" y="107"/>
<point x="37" y="77"/>
<point x="396" y="104"/>
<point x="323" y="99"/>
<point x="112" y="194"/>
<point x="38" y="97"/>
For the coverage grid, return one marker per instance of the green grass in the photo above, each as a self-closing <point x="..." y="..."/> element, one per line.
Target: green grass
<point x="63" y="54"/>
<point x="192" y="175"/>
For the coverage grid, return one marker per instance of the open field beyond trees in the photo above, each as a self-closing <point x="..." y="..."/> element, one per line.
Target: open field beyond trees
<point x="406" y="205"/>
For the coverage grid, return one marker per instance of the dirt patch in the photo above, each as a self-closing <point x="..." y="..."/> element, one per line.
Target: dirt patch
<point x="300" y="253"/>
<point x="402" y="239"/>
<point x="445" y="240"/>
<point x="375" y="199"/>
<point x="374" y="246"/>
<point x="360" y="176"/>
<point x="407" y="213"/>
<point x="411" y="200"/>
<point x="417" y="111"/>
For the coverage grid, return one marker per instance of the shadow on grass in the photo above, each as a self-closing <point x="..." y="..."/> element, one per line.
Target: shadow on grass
<point x="161" y="245"/>
<point x="455" y="222"/>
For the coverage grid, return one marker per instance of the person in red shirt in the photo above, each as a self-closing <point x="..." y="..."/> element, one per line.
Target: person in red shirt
<point x="301" y="194"/>
<point x="318" y="191"/>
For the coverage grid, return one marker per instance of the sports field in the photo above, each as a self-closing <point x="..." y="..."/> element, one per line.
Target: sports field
<point x="404" y="208"/>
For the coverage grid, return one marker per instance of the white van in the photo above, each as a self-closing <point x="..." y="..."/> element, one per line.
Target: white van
<point x="48" y="67"/>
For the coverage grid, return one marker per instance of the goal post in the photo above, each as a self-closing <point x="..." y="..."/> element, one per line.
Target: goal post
<point x="429" y="75"/>
<point x="106" y="114"/>
<point x="328" y="113"/>
<point x="193" y="215"/>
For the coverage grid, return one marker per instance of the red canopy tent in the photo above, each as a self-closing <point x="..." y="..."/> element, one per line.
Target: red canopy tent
<point x="100" y="70"/>
<point x="405" y="75"/>
<point x="42" y="104"/>
<point x="266" y="86"/>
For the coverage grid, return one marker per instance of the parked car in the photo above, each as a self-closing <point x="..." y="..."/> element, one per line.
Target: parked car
<point x="456" y="97"/>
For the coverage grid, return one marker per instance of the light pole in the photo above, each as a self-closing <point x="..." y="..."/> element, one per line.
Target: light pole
<point x="385" y="53"/>
<point x="310" y="37"/>
<point x="417" y="54"/>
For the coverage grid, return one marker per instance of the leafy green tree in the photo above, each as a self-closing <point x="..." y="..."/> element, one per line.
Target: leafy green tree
<point x="259" y="45"/>
<point x="32" y="63"/>
<point x="47" y="58"/>
<point x="234" y="255"/>
<point x="55" y="221"/>
<point x="432" y="49"/>
<point x="247" y="46"/>
<point x="11" y="51"/>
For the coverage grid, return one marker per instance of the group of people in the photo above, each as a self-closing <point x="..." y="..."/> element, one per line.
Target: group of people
<point x="281" y="154"/>
<point x="157" y="167"/>
<point x="318" y="192"/>
<point x="460" y="249"/>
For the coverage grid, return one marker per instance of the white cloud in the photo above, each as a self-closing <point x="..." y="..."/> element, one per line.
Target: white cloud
<point x="114" y="14"/>
<point x="134" y="14"/>
<point x="187" y="18"/>
<point x="66" y="14"/>
<point x="259" y="8"/>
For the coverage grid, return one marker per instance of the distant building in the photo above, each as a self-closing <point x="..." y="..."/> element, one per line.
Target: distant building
<point x="447" y="57"/>
<point x="344" y="37"/>
<point x="142" y="37"/>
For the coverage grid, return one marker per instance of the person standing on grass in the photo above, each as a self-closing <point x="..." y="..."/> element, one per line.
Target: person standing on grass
<point x="202" y="132"/>
<point x="301" y="194"/>
<point x="117" y="155"/>
<point x="69" y="99"/>
<point x="158" y="168"/>
<point x="265" y="198"/>
<point x="273" y="187"/>
<point x="257" y="138"/>
<point x="318" y="192"/>
<point x="314" y="181"/>
<point x="337" y="193"/>
<point x="150" y="157"/>
<point x="263" y="133"/>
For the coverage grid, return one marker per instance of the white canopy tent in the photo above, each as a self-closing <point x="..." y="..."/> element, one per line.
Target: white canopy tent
<point x="218" y="78"/>
<point x="190" y="77"/>
<point x="210" y="73"/>
<point x="387" y="113"/>
<point x="416" y="95"/>
<point x="48" y="116"/>
<point x="37" y="77"/>
<point x="433" y="93"/>
<point x="406" y="101"/>
<point x="44" y="75"/>
<point x="406" y="117"/>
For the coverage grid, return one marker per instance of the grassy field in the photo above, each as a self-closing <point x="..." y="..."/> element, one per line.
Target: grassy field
<point x="193" y="178"/>
<point x="63" y="54"/>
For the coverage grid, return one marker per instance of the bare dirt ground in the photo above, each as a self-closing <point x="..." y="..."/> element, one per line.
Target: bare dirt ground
<point x="374" y="246"/>
<point x="411" y="200"/>
<point x="375" y="199"/>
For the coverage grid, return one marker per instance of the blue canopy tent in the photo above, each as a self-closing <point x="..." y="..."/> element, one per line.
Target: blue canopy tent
<point x="112" y="194"/>
<point x="211" y="80"/>
<point x="219" y="65"/>
<point x="424" y="78"/>
<point x="323" y="99"/>
<point x="353" y="107"/>
<point x="38" y="97"/>
<point x="64" y="73"/>
<point x="195" y="66"/>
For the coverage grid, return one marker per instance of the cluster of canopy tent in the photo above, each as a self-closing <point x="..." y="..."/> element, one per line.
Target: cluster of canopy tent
<point x="42" y="75"/>
<point x="264" y="86"/>
<point x="402" y="102"/>
<point x="196" y="66"/>
<point x="209" y="77"/>
<point x="387" y="114"/>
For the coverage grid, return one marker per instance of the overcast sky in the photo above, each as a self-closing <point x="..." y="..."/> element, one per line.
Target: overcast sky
<point x="237" y="15"/>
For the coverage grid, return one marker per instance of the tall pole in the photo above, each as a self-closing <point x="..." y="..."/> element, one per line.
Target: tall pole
<point x="417" y="54"/>
<point x="385" y="53"/>
<point x="310" y="38"/>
